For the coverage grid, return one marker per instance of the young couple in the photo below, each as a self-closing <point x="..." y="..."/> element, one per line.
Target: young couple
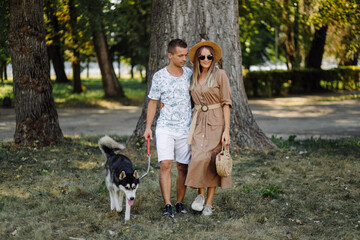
<point x="193" y="146"/>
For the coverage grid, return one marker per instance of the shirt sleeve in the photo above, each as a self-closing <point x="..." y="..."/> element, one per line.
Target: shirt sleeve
<point x="225" y="90"/>
<point x="155" y="91"/>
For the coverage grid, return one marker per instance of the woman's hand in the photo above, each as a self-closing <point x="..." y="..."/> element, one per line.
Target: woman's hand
<point x="226" y="136"/>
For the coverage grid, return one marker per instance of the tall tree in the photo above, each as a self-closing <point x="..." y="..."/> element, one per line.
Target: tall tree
<point x="129" y="21"/>
<point x="95" y="11"/>
<point x="216" y="21"/>
<point x="36" y="116"/>
<point x="111" y="85"/>
<point x="4" y="28"/>
<point x="55" y="46"/>
<point x="315" y="56"/>
<point x="74" y="29"/>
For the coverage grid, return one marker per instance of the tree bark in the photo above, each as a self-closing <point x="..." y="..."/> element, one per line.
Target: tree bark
<point x="215" y="20"/>
<point x="36" y="116"/>
<point x="112" y="87"/>
<point x="314" y="58"/>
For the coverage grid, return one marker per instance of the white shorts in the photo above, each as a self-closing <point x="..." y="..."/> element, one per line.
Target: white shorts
<point x="170" y="144"/>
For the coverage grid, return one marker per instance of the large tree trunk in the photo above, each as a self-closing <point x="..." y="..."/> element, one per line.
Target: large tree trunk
<point x="216" y="20"/>
<point x="314" y="58"/>
<point x="36" y="116"/>
<point x="112" y="87"/>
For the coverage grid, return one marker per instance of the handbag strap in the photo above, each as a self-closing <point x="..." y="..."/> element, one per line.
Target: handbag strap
<point x="225" y="148"/>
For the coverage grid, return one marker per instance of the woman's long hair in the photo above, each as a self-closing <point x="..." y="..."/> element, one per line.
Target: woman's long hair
<point x="197" y="69"/>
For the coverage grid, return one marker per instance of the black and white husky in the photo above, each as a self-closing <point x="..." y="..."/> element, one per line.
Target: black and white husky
<point x="120" y="177"/>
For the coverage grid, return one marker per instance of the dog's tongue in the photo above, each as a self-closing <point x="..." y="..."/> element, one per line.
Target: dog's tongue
<point x="131" y="202"/>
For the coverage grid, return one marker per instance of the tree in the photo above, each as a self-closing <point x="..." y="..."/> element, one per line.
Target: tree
<point x="95" y="12"/>
<point x="36" y="116"/>
<point x="129" y="21"/>
<point x="258" y="21"/>
<point x="343" y="17"/>
<point x="74" y="29"/>
<point x="55" y="46"/>
<point x="4" y="28"/>
<point x="315" y="56"/>
<point x="216" y="21"/>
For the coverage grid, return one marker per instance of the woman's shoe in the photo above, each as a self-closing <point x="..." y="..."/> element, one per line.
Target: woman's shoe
<point x="198" y="203"/>
<point x="208" y="211"/>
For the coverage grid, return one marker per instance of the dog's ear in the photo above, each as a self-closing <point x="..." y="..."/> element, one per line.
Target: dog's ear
<point x="122" y="175"/>
<point x="136" y="175"/>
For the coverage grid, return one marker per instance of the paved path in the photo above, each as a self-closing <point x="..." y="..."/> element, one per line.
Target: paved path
<point x="303" y="116"/>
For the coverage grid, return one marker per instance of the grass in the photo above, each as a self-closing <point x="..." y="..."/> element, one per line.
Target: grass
<point x="308" y="189"/>
<point x="93" y="94"/>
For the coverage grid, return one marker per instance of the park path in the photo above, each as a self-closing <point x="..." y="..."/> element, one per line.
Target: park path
<point x="303" y="116"/>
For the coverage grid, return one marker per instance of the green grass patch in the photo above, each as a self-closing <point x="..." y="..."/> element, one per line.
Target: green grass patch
<point x="92" y="96"/>
<point x="308" y="189"/>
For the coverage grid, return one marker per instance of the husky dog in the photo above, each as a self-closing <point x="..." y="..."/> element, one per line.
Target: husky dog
<point x="120" y="177"/>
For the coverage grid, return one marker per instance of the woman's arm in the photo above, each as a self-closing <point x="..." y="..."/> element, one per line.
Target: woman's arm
<point x="226" y="134"/>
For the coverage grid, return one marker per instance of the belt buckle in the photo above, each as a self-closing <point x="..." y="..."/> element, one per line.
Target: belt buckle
<point x="204" y="108"/>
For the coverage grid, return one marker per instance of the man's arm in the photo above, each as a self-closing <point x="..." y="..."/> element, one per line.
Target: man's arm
<point x="150" y="114"/>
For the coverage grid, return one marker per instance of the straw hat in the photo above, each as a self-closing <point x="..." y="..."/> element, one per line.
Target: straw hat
<point x="217" y="50"/>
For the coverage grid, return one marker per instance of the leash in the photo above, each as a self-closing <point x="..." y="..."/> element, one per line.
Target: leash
<point x="149" y="157"/>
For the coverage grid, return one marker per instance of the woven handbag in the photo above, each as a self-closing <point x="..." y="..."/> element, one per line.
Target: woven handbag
<point x="223" y="162"/>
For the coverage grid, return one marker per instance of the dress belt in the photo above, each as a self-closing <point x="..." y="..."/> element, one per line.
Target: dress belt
<point x="198" y="108"/>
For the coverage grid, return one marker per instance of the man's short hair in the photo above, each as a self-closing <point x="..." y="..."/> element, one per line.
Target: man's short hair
<point x="176" y="43"/>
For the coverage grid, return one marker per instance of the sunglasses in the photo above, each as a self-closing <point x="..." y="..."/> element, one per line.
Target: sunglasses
<point x="209" y="57"/>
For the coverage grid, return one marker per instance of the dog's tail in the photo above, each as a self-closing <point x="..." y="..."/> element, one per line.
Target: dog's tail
<point x="108" y="145"/>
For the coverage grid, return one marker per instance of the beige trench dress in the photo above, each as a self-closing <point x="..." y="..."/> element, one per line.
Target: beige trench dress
<point x="206" y="142"/>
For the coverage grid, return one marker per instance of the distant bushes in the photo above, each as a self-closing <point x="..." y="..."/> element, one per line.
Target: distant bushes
<point x="279" y="82"/>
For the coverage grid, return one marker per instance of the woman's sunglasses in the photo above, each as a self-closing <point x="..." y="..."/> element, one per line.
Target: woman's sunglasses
<point x="209" y="57"/>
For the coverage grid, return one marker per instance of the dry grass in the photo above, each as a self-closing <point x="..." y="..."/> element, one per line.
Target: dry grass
<point x="313" y="192"/>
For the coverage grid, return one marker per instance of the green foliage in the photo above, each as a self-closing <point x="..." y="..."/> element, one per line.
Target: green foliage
<point x="69" y="27"/>
<point x="277" y="82"/>
<point x="343" y="17"/>
<point x="256" y="22"/>
<point x="294" y="23"/>
<point x="6" y="90"/>
<point x="4" y="28"/>
<point x="269" y="191"/>
<point x="128" y="30"/>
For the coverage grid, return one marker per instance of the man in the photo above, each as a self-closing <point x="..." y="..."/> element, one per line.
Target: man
<point x="171" y="86"/>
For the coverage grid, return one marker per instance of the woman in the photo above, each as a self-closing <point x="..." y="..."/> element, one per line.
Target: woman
<point x="210" y="91"/>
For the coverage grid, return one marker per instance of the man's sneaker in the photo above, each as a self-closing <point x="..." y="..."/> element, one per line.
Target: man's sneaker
<point x="198" y="203"/>
<point x="207" y="210"/>
<point x="180" y="208"/>
<point x="168" y="211"/>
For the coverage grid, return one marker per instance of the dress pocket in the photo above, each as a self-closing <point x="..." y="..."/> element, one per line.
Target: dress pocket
<point x="216" y="118"/>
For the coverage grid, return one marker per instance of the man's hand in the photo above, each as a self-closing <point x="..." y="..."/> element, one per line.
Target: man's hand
<point x="150" y="113"/>
<point x="148" y="134"/>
